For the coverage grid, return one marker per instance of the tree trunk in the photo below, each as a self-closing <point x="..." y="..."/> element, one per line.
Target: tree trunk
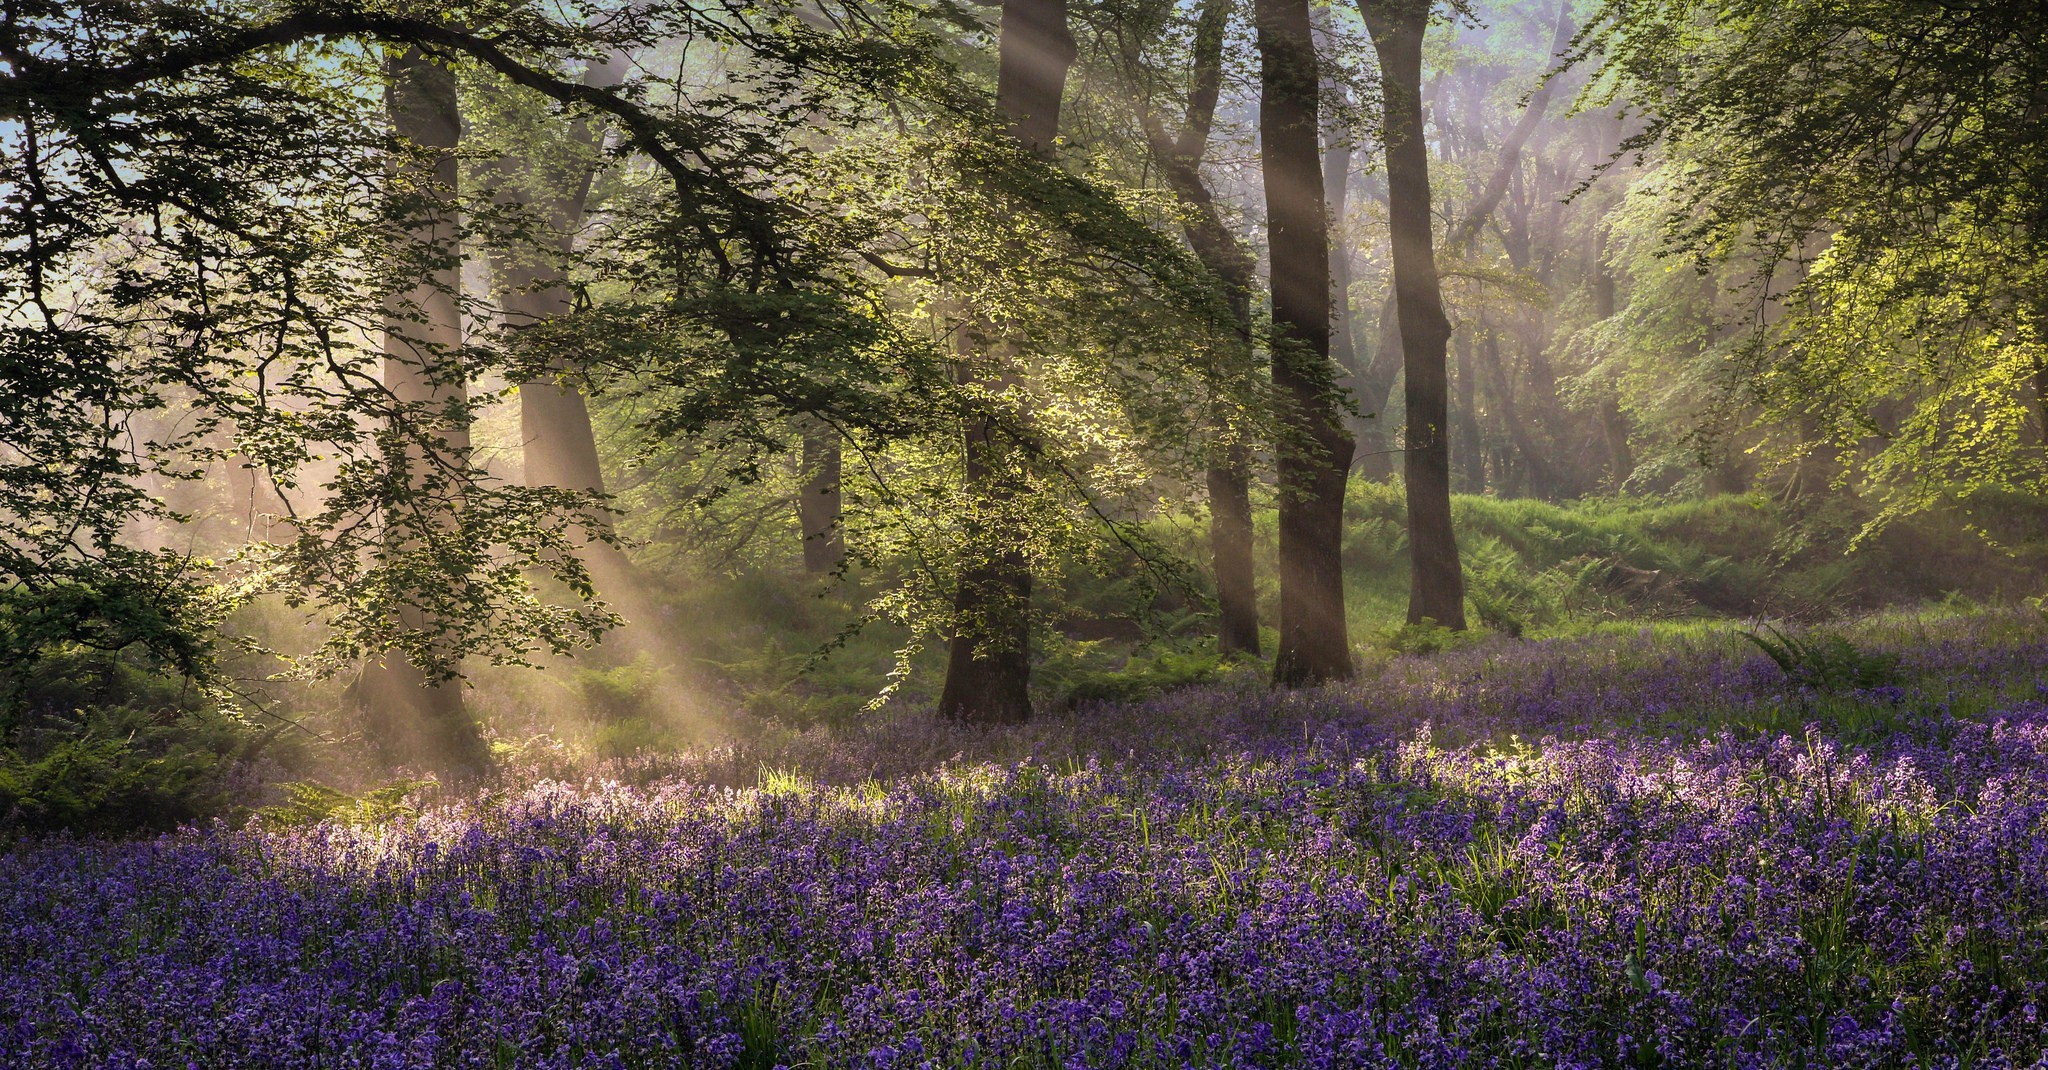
<point x="558" y="442"/>
<point x="1534" y="474"/>
<point x="2040" y="384"/>
<point x="1437" y="587"/>
<point x="988" y="668"/>
<point x="410" y="717"/>
<point x="1313" y="449"/>
<point x="1230" y="543"/>
<point x="1550" y="476"/>
<point x="1469" y="457"/>
<point x="1614" y="422"/>
<point x="1376" y="395"/>
<point x="1229" y="482"/>
<point x="817" y="504"/>
<point x="1336" y="192"/>
<point x="1615" y="429"/>
<point x="1179" y="158"/>
<point x="559" y="446"/>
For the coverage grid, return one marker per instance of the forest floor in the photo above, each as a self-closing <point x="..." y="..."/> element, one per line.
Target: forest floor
<point x="1648" y="850"/>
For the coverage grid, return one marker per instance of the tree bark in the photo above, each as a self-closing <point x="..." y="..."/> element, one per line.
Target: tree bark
<point x="1230" y="545"/>
<point x="817" y="503"/>
<point x="1313" y="449"/>
<point x="1376" y="393"/>
<point x="1615" y="425"/>
<point x="1336" y="192"/>
<point x="1615" y="429"/>
<point x="1437" y="584"/>
<point x="559" y="443"/>
<point x="1469" y="458"/>
<point x="410" y="717"/>
<point x="1228" y="476"/>
<point x="560" y="447"/>
<point x="988" y="668"/>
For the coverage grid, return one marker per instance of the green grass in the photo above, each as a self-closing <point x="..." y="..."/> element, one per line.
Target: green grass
<point x="747" y="638"/>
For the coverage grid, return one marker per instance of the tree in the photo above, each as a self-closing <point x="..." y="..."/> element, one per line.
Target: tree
<point x="1523" y="198"/>
<point x="559" y="445"/>
<point x="818" y="498"/>
<point x="1437" y="586"/>
<point x="1881" y="169"/>
<point x="547" y="174"/>
<point x="988" y="669"/>
<point x="210" y="223"/>
<point x="1227" y="476"/>
<point x="1313" y="449"/>
<point x="413" y="715"/>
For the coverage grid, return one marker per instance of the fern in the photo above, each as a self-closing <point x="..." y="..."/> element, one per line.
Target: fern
<point x="1826" y="661"/>
<point x="309" y="802"/>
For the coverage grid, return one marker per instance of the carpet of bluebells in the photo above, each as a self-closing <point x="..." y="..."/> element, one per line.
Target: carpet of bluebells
<point x="1597" y="853"/>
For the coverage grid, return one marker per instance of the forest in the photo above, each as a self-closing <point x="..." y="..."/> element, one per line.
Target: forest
<point x="1023" y="533"/>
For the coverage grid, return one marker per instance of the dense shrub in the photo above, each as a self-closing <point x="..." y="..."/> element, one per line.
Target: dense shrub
<point x="104" y="744"/>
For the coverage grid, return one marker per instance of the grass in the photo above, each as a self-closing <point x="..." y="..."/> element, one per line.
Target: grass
<point x="1596" y="568"/>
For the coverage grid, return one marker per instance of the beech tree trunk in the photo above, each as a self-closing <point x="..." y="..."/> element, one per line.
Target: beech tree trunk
<point x="1615" y="425"/>
<point x="1469" y="458"/>
<point x="1376" y="394"/>
<point x="410" y="717"/>
<point x="1228" y="476"/>
<point x="559" y="446"/>
<point x="1437" y="587"/>
<point x="988" y="668"/>
<point x="1615" y="430"/>
<point x="1313" y="448"/>
<point x="1230" y="546"/>
<point x="1336" y="193"/>
<point x="817" y="504"/>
